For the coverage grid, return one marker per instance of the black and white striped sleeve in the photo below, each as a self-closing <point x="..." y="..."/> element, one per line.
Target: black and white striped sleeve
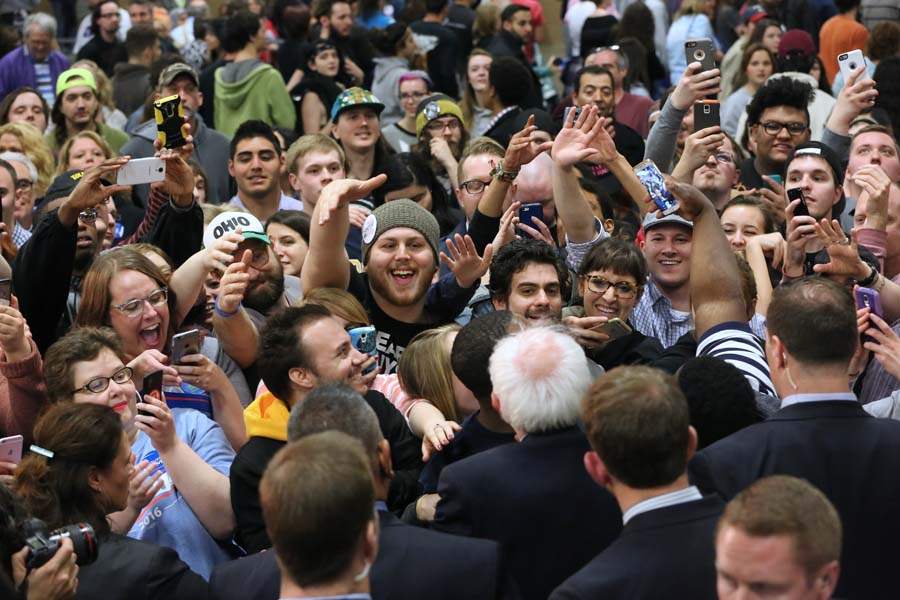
<point x="736" y="344"/>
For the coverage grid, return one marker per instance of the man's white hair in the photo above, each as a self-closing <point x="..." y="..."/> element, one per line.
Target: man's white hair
<point x="540" y="375"/>
<point x="42" y="21"/>
<point x="21" y="158"/>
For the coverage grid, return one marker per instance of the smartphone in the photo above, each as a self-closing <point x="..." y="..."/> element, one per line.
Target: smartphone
<point x="529" y="213"/>
<point x="701" y="50"/>
<point x="151" y="386"/>
<point x="615" y="328"/>
<point x="11" y="449"/>
<point x="169" y="114"/>
<point x="653" y="180"/>
<point x="797" y="194"/>
<point x="777" y="178"/>
<point x="566" y="112"/>
<point x="869" y="298"/>
<point x="363" y="339"/>
<point x="141" y="170"/>
<point x="5" y="291"/>
<point x="706" y="114"/>
<point x="184" y="344"/>
<point x="850" y="62"/>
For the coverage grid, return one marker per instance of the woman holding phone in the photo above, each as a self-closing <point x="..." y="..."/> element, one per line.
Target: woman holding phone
<point x="127" y="291"/>
<point x="178" y="494"/>
<point x="80" y="472"/>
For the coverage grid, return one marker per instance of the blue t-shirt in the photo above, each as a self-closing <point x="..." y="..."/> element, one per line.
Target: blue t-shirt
<point x="168" y="520"/>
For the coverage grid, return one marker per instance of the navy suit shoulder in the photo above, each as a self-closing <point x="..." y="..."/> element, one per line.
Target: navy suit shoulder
<point x="842" y="450"/>
<point x="255" y="576"/>
<point x="674" y="545"/>
<point x="534" y="498"/>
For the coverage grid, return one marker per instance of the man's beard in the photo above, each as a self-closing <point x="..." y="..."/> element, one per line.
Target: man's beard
<point x="266" y="293"/>
<point x="383" y="288"/>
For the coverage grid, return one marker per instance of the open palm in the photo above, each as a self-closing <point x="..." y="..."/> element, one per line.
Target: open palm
<point x="580" y="140"/>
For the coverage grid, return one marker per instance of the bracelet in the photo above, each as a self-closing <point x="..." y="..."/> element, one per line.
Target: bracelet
<point x="223" y="313"/>
<point x="502" y="174"/>
<point x="867" y="282"/>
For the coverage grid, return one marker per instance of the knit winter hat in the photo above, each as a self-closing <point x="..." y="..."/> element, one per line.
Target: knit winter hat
<point x="400" y="213"/>
<point x="434" y="107"/>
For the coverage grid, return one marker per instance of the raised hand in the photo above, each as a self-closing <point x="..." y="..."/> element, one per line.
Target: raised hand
<point x="775" y="197"/>
<point x="92" y="190"/>
<point x="843" y="252"/>
<point x="876" y="185"/>
<point x="221" y="254"/>
<point x="699" y="145"/>
<point x="13" y="340"/>
<point x="583" y="140"/>
<point x="691" y="201"/>
<point x="233" y="284"/>
<point x="800" y="231"/>
<point x="341" y="192"/>
<point x="464" y="262"/>
<point x="885" y="346"/>
<point x="694" y="85"/>
<point x="507" y="231"/>
<point x="150" y="361"/>
<point x="539" y="231"/>
<point x="521" y="150"/>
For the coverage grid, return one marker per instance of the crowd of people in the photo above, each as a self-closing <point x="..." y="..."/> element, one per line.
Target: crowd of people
<point x="401" y="317"/>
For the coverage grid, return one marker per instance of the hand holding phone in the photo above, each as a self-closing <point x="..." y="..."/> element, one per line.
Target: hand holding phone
<point x="184" y="344"/>
<point x="615" y="328"/>
<point x="363" y="339"/>
<point x="850" y="62"/>
<point x="5" y="291"/>
<point x="706" y="114"/>
<point x="169" y="115"/>
<point x="151" y="386"/>
<point x="528" y="213"/>
<point x="801" y="210"/>
<point x="141" y="170"/>
<point x="868" y="298"/>
<point x="11" y="449"/>
<point x="701" y="50"/>
<point x="653" y="179"/>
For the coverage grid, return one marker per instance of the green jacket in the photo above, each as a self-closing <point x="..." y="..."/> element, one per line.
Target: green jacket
<point x="116" y="138"/>
<point x="251" y="89"/>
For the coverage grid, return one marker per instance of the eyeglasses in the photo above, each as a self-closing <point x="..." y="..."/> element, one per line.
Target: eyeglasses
<point x="412" y="95"/>
<point x="599" y="285"/>
<point x="88" y="216"/>
<point x="438" y="126"/>
<point x="724" y="158"/>
<point x="98" y="385"/>
<point x="474" y="186"/>
<point x="24" y="184"/>
<point x="773" y="128"/>
<point x="259" y="256"/>
<point x="615" y="48"/>
<point x="135" y="308"/>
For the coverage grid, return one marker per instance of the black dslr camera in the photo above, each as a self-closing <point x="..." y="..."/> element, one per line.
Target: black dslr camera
<point x="43" y="544"/>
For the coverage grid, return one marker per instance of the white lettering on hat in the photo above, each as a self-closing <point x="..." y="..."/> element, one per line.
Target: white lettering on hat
<point x="809" y="151"/>
<point x="368" y="229"/>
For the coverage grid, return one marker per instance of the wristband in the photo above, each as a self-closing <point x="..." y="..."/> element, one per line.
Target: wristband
<point x="225" y="314"/>
<point x="502" y="174"/>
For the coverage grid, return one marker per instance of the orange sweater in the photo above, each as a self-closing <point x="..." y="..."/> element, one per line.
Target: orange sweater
<point x="839" y="34"/>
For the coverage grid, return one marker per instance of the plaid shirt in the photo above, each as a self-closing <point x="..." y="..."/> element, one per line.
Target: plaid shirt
<point x="654" y="316"/>
<point x="20" y="235"/>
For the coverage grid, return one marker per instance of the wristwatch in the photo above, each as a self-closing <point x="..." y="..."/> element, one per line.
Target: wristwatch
<point x="868" y="281"/>
<point x="500" y="173"/>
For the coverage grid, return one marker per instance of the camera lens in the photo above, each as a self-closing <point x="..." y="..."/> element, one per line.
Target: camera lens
<point x="84" y="541"/>
<point x="699" y="54"/>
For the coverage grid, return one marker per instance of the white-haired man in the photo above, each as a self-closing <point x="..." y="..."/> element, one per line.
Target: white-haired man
<point x="35" y="63"/>
<point x="533" y="497"/>
<point x="22" y="212"/>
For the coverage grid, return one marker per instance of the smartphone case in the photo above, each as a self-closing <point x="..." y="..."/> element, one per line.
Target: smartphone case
<point x="169" y="115"/>
<point x="653" y="180"/>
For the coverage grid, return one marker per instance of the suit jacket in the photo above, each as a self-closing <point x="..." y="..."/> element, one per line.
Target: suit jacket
<point x="536" y="499"/>
<point x="412" y="564"/>
<point x="851" y="456"/>
<point x="664" y="553"/>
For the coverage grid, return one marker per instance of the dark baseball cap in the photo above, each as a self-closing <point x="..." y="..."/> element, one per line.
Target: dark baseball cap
<point x="822" y="151"/>
<point x="63" y="185"/>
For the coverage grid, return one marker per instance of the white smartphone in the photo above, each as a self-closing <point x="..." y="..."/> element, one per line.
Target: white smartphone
<point x="141" y="170"/>
<point x="850" y="62"/>
<point x="11" y="449"/>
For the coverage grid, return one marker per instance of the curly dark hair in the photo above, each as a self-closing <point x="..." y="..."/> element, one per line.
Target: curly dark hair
<point x="780" y="91"/>
<point x="515" y="256"/>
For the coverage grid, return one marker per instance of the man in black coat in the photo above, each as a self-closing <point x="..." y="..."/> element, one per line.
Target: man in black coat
<point x="821" y="433"/>
<point x="666" y="548"/>
<point x="412" y="563"/>
<point x="534" y="497"/>
<point x="512" y="89"/>
<point x="515" y="32"/>
<point x="301" y="348"/>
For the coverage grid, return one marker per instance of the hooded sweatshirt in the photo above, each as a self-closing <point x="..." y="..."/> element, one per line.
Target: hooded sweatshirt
<point x="131" y="86"/>
<point x="386" y="87"/>
<point x="251" y="89"/>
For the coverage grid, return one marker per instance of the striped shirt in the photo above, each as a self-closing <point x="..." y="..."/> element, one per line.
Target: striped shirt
<point x="20" y="235"/>
<point x="43" y="81"/>
<point x="734" y="343"/>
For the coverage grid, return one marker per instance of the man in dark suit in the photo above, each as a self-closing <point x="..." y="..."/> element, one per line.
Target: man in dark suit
<point x="534" y="496"/>
<point x="412" y="563"/>
<point x="821" y="433"/>
<point x="317" y="497"/>
<point x="638" y="423"/>
<point x="779" y="534"/>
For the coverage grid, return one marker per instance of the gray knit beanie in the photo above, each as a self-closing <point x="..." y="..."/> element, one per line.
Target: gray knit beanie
<point x="400" y="213"/>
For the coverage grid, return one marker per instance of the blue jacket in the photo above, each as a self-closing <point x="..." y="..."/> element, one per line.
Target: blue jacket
<point x="17" y="69"/>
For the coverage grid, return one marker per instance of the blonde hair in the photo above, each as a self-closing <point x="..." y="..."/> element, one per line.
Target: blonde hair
<point x="66" y="149"/>
<point x="468" y="102"/>
<point x="36" y="149"/>
<point x="425" y="371"/>
<point x="312" y="142"/>
<point x="691" y="7"/>
<point x="340" y="303"/>
<point x="487" y="21"/>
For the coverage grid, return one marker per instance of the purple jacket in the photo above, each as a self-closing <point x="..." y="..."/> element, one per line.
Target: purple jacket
<point x="16" y="69"/>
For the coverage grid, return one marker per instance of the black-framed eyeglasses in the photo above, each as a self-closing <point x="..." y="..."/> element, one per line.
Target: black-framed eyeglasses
<point x="773" y="128"/>
<point x="135" y="308"/>
<point x="24" y="184"/>
<point x="474" y="186"/>
<point x="98" y="385"/>
<point x="599" y="285"/>
<point x="438" y="126"/>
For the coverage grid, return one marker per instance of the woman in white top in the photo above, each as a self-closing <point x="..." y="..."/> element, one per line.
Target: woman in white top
<point x="692" y="21"/>
<point x="757" y="64"/>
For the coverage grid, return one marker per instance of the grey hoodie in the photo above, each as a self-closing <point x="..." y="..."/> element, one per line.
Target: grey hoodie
<point x="211" y="150"/>
<point x="386" y="87"/>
